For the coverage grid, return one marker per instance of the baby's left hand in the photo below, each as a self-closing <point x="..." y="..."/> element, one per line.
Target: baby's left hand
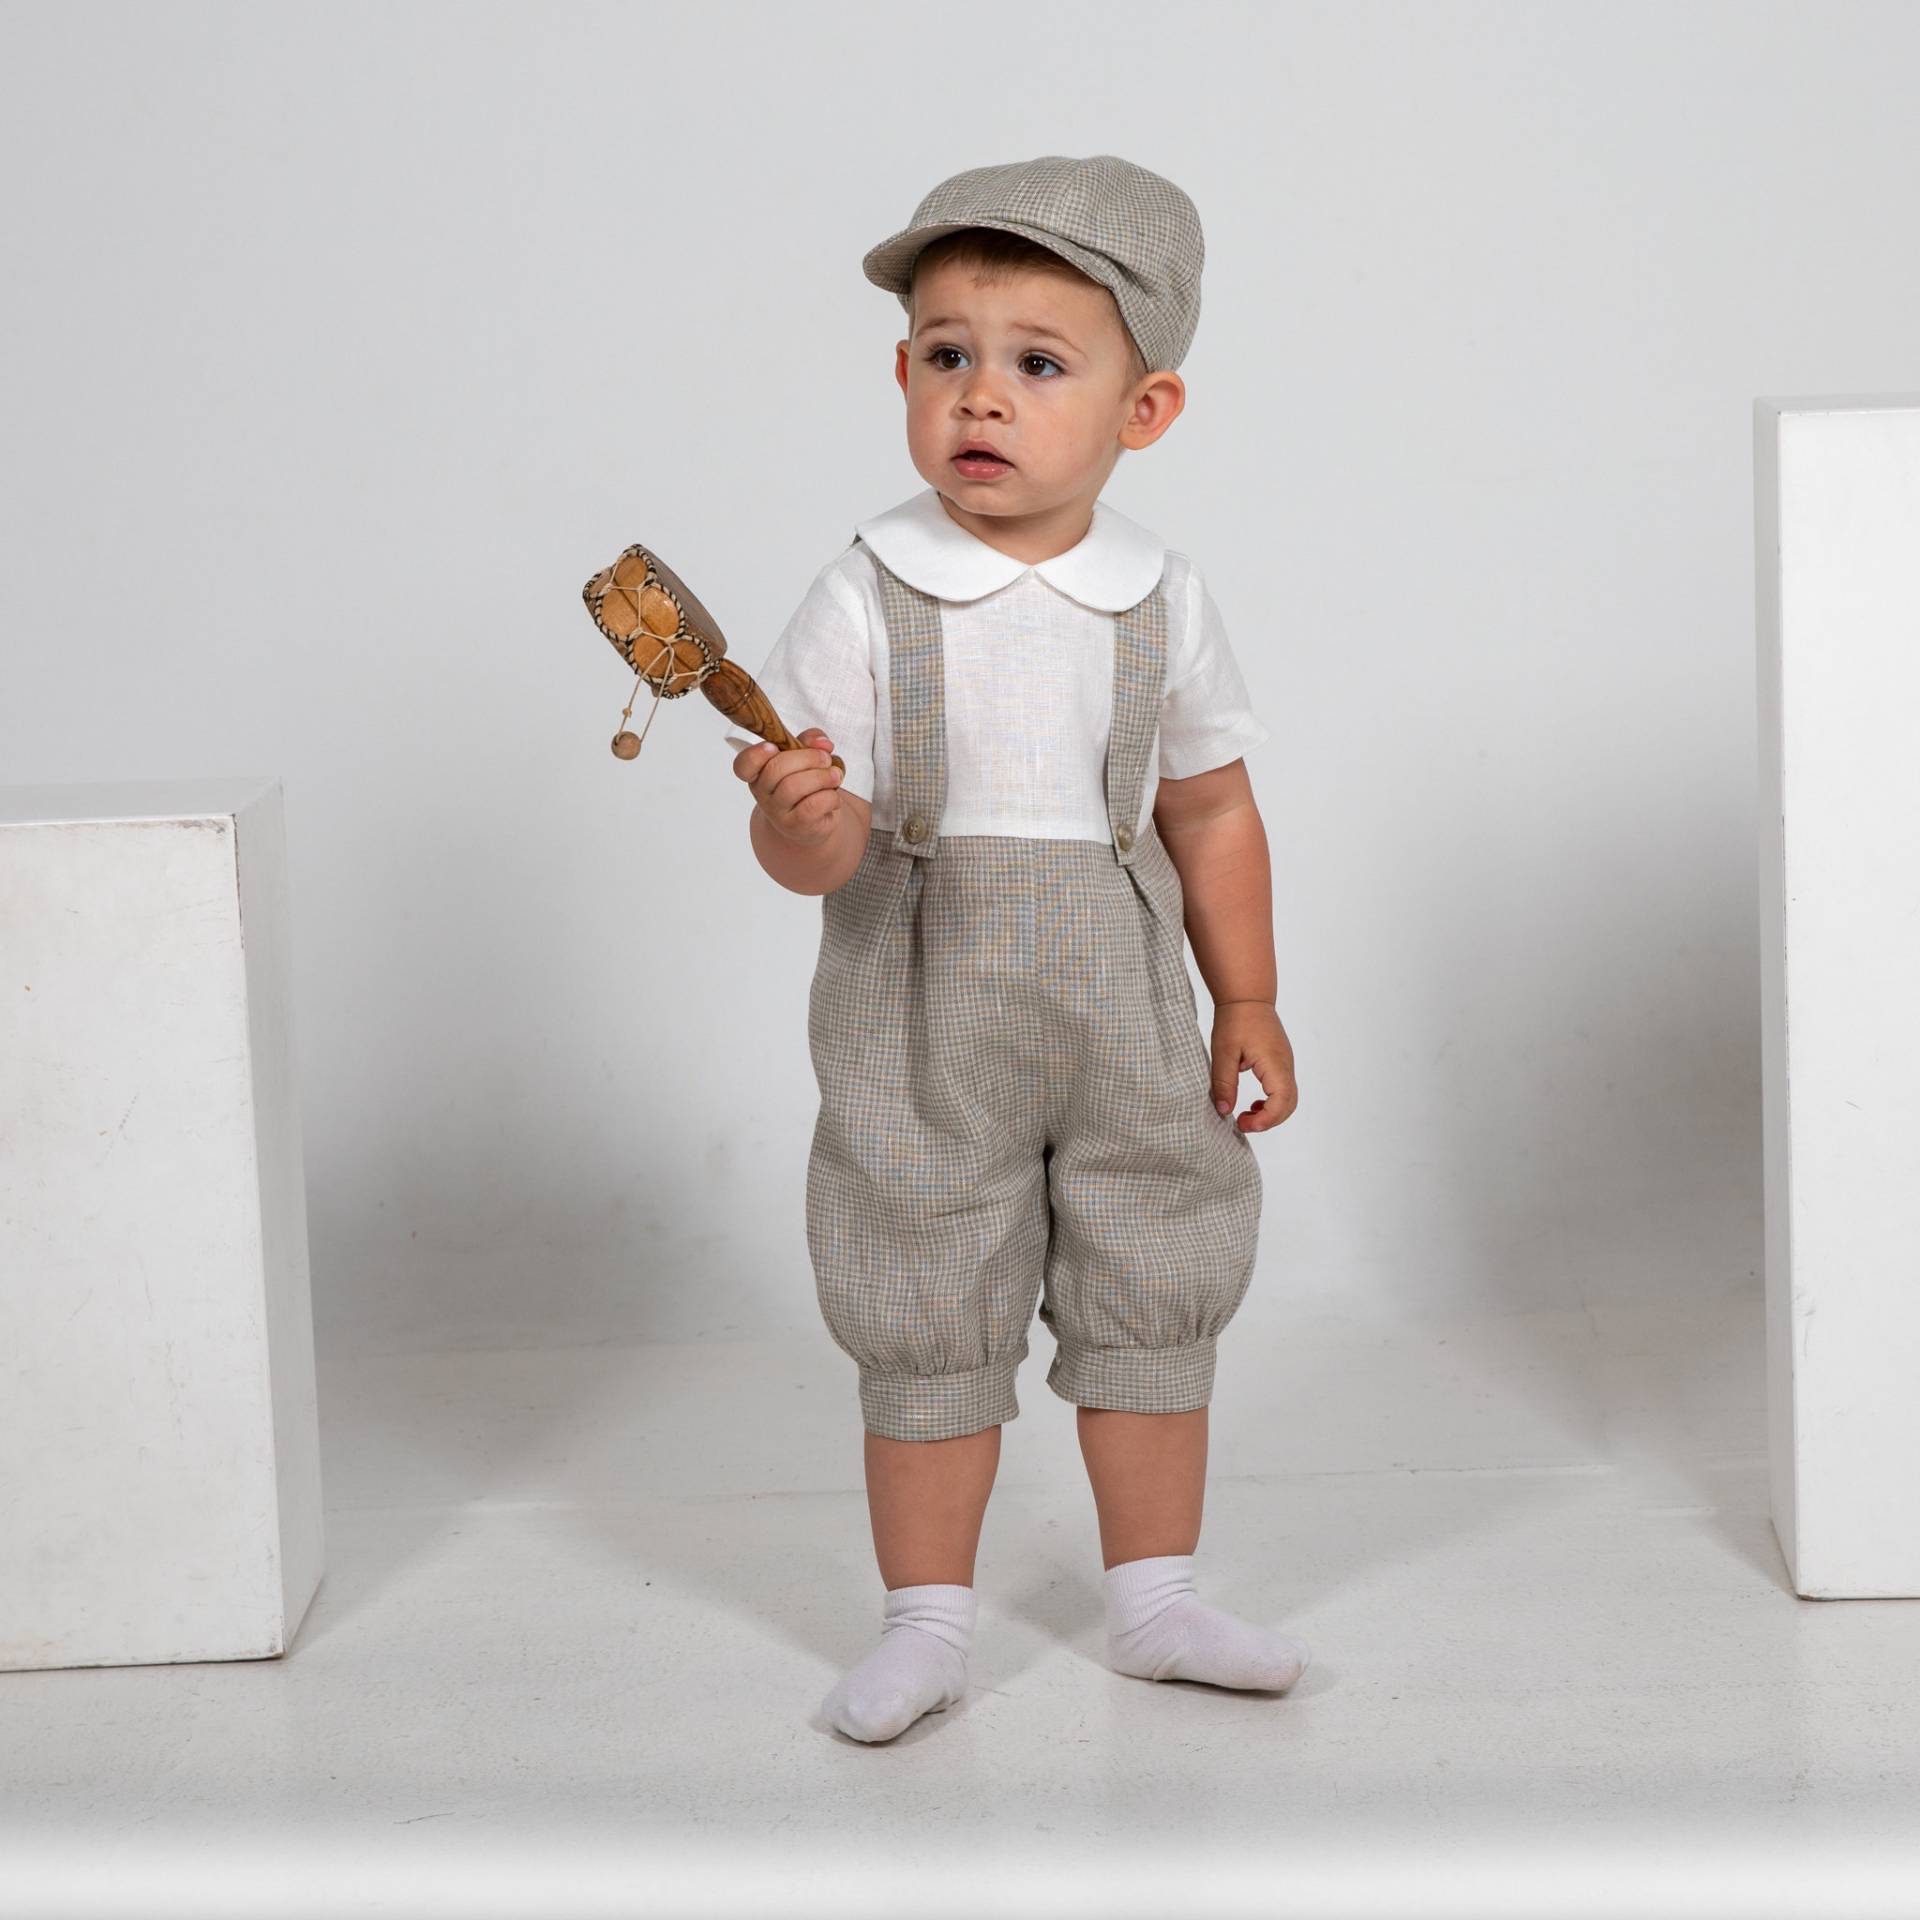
<point x="1248" y="1037"/>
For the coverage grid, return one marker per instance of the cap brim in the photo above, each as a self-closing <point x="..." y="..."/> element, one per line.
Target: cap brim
<point x="890" y="264"/>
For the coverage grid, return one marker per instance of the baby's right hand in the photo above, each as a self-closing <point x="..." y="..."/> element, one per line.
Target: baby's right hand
<point x="797" y="788"/>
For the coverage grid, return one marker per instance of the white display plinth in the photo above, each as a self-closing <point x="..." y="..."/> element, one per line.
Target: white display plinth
<point x="159" y="1440"/>
<point x="1837" y="538"/>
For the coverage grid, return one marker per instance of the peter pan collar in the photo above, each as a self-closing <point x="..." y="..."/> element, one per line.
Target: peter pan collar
<point x="1115" y="564"/>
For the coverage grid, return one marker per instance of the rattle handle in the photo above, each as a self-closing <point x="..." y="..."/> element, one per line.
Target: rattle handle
<point x="737" y="694"/>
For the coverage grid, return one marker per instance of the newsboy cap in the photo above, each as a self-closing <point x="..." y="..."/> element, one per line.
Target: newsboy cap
<point x="1134" y="232"/>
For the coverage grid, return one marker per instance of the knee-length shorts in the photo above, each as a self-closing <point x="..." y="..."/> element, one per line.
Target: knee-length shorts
<point x="1015" y="1110"/>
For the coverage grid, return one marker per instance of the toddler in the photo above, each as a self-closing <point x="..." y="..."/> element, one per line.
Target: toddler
<point x="1044" y="798"/>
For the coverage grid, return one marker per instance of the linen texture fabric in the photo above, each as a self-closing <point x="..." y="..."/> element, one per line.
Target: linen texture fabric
<point x="1029" y="656"/>
<point x="1128" y="228"/>
<point x="1014" y="1090"/>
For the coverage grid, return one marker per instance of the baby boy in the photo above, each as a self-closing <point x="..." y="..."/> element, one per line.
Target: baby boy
<point x="1044" y="799"/>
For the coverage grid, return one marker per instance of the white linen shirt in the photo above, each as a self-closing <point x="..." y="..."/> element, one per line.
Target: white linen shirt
<point x="1028" y="653"/>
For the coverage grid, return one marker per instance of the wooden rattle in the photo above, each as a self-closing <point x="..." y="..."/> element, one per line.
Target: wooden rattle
<point x="674" y="644"/>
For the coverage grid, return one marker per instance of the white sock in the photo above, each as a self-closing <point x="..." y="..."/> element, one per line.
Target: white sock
<point x="919" y="1666"/>
<point x="1158" y="1628"/>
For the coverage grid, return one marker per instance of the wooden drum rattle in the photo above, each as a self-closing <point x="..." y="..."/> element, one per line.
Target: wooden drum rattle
<point x="674" y="644"/>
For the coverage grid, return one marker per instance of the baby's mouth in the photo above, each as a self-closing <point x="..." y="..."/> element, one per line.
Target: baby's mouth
<point x="980" y="459"/>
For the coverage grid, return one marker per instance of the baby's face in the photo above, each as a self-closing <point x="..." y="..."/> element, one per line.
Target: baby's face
<point x="1038" y="366"/>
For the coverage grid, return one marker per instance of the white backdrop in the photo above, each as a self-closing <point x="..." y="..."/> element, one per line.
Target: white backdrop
<point x="345" y="342"/>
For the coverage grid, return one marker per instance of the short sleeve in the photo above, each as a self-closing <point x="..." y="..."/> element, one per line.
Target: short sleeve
<point x="1206" y="718"/>
<point x="819" y="673"/>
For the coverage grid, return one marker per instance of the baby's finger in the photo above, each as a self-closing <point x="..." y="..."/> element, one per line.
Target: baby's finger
<point x="1224" y="1076"/>
<point x="807" y="805"/>
<point x="1246" y="1120"/>
<point x="1278" y="1101"/>
<point x="800" y="784"/>
<point x="749" y="760"/>
<point x="772" y="769"/>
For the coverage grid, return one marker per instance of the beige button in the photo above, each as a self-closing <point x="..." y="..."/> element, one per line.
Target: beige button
<point x="916" y="828"/>
<point x="1123" y="838"/>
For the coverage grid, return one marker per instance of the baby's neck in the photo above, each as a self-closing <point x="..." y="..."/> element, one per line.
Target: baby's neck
<point x="1028" y="537"/>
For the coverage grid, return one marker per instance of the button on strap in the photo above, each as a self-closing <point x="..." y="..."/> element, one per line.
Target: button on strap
<point x="917" y="710"/>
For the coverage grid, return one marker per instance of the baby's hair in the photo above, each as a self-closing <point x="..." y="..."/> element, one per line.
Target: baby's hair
<point x="995" y="253"/>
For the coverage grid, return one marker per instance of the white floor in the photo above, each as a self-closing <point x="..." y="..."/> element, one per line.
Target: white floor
<point x="582" y="1603"/>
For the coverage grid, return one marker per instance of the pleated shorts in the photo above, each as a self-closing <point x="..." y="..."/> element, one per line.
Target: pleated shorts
<point x="1015" y="1112"/>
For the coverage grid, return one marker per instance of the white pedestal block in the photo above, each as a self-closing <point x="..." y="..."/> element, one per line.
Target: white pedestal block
<point x="159" y="1440"/>
<point x="1837" y="544"/>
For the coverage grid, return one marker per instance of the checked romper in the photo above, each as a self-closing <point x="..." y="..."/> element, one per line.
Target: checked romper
<point x="1014" y="1090"/>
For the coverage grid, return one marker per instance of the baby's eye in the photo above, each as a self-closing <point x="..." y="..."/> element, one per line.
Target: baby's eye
<point x="1045" y="360"/>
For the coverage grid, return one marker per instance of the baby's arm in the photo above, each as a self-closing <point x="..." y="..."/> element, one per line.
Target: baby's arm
<point x="806" y="833"/>
<point x="810" y="821"/>
<point x="1217" y="841"/>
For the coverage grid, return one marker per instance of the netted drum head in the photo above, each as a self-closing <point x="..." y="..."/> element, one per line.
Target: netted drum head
<point x="674" y="645"/>
<point x="658" y="628"/>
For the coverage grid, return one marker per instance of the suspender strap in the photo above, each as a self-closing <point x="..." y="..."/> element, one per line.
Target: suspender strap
<point x="1139" y="680"/>
<point x="917" y="686"/>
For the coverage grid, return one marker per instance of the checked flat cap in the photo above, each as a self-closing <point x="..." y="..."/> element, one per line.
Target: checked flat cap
<point x="1131" y="230"/>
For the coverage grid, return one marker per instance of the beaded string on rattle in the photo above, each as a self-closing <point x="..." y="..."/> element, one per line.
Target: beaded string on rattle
<point x="673" y="644"/>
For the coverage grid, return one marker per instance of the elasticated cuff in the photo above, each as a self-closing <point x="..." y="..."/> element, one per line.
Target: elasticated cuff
<point x="1136" y="1379"/>
<point x="938" y="1406"/>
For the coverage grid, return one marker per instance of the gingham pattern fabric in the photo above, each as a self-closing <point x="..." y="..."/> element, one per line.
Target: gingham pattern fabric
<point x="1014" y="1094"/>
<point x="918" y="710"/>
<point x="1132" y="230"/>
